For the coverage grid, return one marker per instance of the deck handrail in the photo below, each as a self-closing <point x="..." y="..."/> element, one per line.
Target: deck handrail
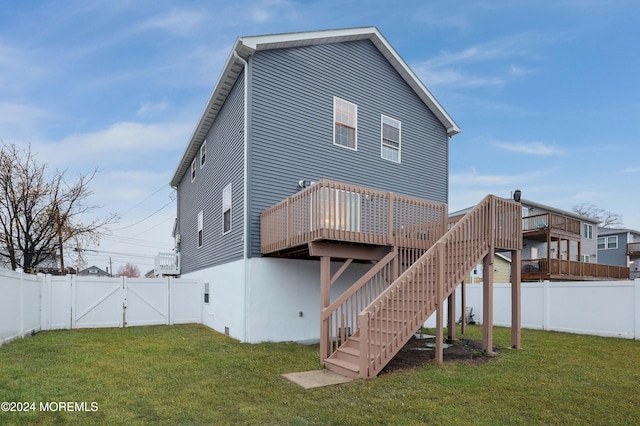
<point x="560" y="267"/>
<point x="410" y="299"/>
<point x="633" y="248"/>
<point x="551" y="221"/>
<point x="338" y="211"/>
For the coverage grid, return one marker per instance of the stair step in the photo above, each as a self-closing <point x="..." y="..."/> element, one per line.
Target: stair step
<point x="340" y="366"/>
<point x="349" y="354"/>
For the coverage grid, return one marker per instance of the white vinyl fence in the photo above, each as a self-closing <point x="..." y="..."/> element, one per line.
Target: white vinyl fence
<point x="30" y="303"/>
<point x="600" y="308"/>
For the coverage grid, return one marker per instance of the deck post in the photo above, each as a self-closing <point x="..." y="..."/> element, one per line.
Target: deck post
<point x="439" y="302"/>
<point x="516" y="298"/>
<point x="325" y="300"/>
<point x="487" y="284"/>
<point x="451" y="316"/>
<point x="487" y="302"/>
<point x="390" y="236"/>
<point x="463" y="302"/>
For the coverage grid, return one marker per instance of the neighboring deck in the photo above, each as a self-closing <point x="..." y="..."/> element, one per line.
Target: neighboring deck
<point x="340" y="213"/>
<point x="569" y="270"/>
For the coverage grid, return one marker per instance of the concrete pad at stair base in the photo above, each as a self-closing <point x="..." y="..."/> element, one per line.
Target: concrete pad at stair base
<point x="317" y="378"/>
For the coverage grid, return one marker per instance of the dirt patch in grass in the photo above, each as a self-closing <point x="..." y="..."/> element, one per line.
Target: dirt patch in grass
<point x="418" y="352"/>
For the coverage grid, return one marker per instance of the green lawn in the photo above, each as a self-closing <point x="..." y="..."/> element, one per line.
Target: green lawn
<point x="192" y="375"/>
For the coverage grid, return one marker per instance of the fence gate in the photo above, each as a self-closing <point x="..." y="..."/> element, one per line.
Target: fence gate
<point x="119" y="302"/>
<point x="146" y="302"/>
<point x="97" y="302"/>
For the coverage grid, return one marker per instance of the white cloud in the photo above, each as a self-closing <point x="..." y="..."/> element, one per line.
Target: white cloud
<point x="180" y="22"/>
<point x="631" y="170"/>
<point x="534" y="148"/>
<point x="149" y="107"/>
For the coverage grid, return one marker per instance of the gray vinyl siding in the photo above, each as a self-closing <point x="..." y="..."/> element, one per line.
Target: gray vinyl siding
<point x="291" y="126"/>
<point x="224" y="165"/>
<point x="616" y="256"/>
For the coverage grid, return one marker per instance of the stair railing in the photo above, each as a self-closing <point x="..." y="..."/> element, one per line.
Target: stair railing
<point x="394" y="316"/>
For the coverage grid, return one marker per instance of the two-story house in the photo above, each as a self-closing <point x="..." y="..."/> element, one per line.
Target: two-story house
<point x="620" y="247"/>
<point x="314" y="187"/>
<point x="561" y="245"/>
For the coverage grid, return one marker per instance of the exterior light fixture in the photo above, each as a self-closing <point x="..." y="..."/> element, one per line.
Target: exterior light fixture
<point x="517" y="195"/>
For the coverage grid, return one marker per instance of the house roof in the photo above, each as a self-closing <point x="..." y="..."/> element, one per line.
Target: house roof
<point x="615" y="231"/>
<point x="528" y="203"/>
<point x="246" y="46"/>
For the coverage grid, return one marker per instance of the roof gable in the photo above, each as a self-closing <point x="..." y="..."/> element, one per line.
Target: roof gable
<point x="247" y="46"/>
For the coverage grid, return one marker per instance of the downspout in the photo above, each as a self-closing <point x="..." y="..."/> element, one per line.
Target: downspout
<point x="245" y="235"/>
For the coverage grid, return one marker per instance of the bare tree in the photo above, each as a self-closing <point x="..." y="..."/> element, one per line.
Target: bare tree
<point x="128" y="270"/>
<point x="606" y="218"/>
<point x="40" y="212"/>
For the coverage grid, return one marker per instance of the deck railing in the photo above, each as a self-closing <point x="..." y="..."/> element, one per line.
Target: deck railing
<point x="551" y="268"/>
<point x="330" y="210"/>
<point x="551" y="222"/>
<point x="167" y="264"/>
<point x="633" y="249"/>
<point x="392" y="318"/>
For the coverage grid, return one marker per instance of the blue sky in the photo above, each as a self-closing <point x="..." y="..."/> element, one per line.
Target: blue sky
<point x="547" y="93"/>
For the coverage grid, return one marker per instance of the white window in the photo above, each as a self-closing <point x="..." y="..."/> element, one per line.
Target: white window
<point x="193" y="170"/>
<point x="226" y="209"/>
<point x="206" y="293"/>
<point x="200" y="229"/>
<point x="390" y="134"/>
<point x="606" y="243"/>
<point x="585" y="258"/>
<point x="203" y="153"/>
<point x="345" y="119"/>
<point x="587" y="231"/>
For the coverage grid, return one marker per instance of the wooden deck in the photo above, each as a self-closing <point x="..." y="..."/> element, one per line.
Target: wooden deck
<point x="538" y="227"/>
<point x="350" y="214"/>
<point x="569" y="270"/>
<point x="633" y="249"/>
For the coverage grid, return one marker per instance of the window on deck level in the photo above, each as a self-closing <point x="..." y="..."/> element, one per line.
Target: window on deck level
<point x="226" y="209"/>
<point x="200" y="229"/>
<point x="345" y="119"/>
<point x="587" y="231"/>
<point x="390" y="149"/>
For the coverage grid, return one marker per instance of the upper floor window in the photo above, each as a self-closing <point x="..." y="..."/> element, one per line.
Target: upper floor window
<point x="606" y="243"/>
<point x="193" y="170"/>
<point x="345" y="119"/>
<point x="226" y="209"/>
<point x="200" y="229"/>
<point x="203" y="153"/>
<point x="587" y="231"/>
<point x="390" y="133"/>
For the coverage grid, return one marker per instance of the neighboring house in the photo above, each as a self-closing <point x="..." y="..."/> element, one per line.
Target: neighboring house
<point x="558" y="245"/>
<point x="93" y="271"/>
<point x="561" y="245"/>
<point x="620" y="247"/>
<point x="318" y="155"/>
<point x="501" y="271"/>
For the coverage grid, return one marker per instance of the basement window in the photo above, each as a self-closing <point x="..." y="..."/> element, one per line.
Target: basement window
<point x="206" y="293"/>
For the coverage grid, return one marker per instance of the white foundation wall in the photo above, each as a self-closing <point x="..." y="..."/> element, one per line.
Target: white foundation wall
<point x="226" y="310"/>
<point x="283" y="298"/>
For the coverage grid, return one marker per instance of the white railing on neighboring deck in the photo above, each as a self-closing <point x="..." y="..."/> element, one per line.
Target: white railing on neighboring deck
<point x="167" y="264"/>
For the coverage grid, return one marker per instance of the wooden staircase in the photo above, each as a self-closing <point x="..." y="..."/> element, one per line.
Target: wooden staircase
<point x="392" y="318"/>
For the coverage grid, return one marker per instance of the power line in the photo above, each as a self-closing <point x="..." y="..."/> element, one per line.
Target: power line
<point x="142" y="220"/>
